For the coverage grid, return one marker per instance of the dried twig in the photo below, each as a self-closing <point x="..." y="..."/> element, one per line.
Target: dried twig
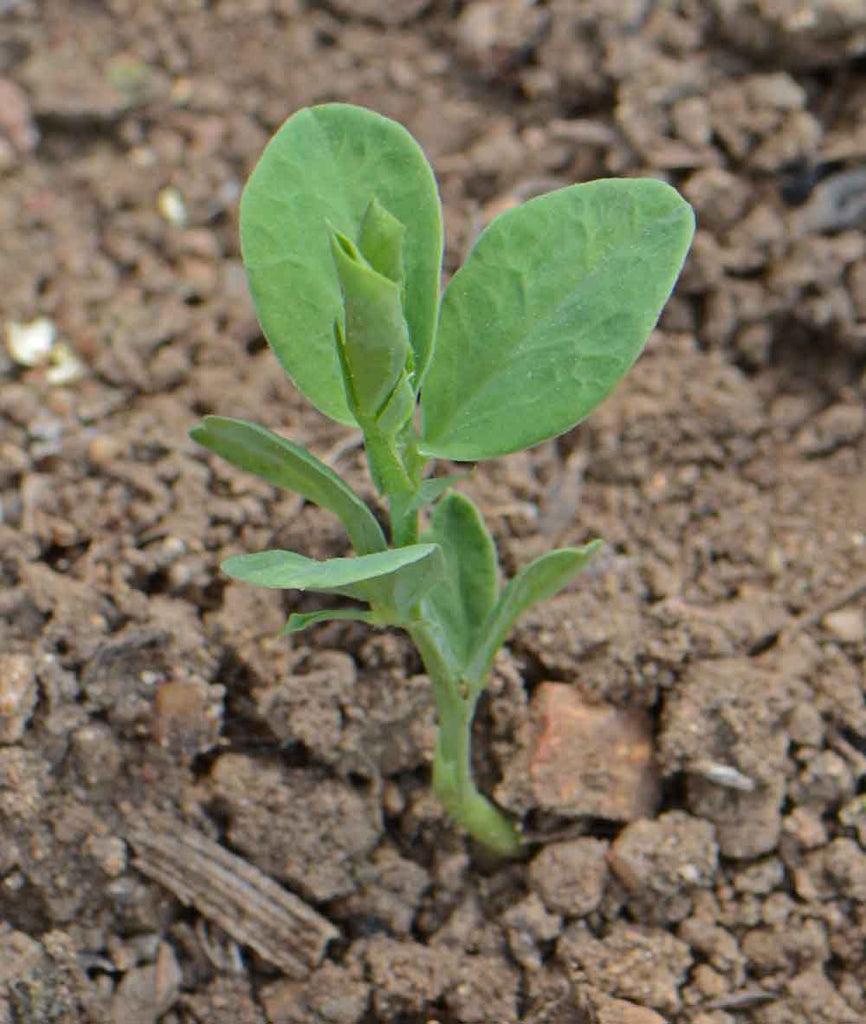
<point x="812" y="618"/>
<point x="248" y="905"/>
<point x="742" y="1000"/>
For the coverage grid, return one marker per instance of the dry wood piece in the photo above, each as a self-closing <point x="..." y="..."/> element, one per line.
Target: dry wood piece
<point x="247" y="904"/>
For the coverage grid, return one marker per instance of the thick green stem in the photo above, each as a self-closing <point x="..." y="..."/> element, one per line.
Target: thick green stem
<point x="452" y="765"/>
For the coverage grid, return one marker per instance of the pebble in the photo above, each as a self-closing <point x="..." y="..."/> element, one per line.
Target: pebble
<point x="146" y="993"/>
<point x="571" y="877"/>
<point x="170" y="204"/>
<point x="30" y="343"/>
<point x="17" y="695"/>
<point x="847" y="624"/>
<point x="837" y="203"/>
<point x="591" y="759"/>
<point x="16" y="120"/>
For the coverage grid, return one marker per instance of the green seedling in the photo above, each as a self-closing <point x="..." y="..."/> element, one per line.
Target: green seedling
<point x="341" y="234"/>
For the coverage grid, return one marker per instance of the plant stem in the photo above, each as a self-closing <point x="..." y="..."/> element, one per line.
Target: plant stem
<point x="452" y="764"/>
<point x="392" y="479"/>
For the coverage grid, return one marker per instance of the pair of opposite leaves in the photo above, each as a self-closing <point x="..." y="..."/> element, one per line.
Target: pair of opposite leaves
<point x="549" y="311"/>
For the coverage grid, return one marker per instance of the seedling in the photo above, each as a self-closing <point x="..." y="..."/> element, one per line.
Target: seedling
<point x="341" y="234"/>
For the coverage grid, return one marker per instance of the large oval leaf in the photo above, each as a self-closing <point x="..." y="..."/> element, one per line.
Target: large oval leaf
<point x="321" y="170"/>
<point x="551" y="308"/>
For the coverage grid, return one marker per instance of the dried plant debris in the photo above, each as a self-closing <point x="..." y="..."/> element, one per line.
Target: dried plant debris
<point x="248" y="905"/>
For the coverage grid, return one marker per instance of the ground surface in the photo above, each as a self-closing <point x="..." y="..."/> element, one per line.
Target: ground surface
<point x="165" y="758"/>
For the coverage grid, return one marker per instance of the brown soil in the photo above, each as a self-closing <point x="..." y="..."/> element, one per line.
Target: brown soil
<point x="201" y="821"/>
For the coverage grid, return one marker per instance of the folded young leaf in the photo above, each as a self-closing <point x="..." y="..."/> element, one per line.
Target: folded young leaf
<point x="375" y="339"/>
<point x="283" y="464"/>
<point x="381" y="241"/>
<point x="324" y="166"/>
<point x="535" y="582"/>
<point x="464" y="598"/>
<point x="393" y="581"/>
<point x="549" y="311"/>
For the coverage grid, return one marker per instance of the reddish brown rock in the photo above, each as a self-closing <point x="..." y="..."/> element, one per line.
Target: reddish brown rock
<point x="591" y="759"/>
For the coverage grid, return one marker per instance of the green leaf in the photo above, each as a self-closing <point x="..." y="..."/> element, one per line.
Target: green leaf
<point x="535" y="582"/>
<point x="551" y="308"/>
<point x="392" y="580"/>
<point x="283" y="464"/>
<point x="381" y="241"/>
<point x="375" y="340"/>
<point x="464" y="598"/>
<point x="434" y="486"/>
<point x="324" y="166"/>
<point x="300" y="621"/>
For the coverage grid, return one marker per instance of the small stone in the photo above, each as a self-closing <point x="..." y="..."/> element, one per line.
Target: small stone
<point x="570" y="877"/>
<point x="30" y="343"/>
<point x="847" y="624"/>
<point x="853" y="815"/>
<point x="333" y="995"/>
<point x="528" y="924"/>
<point x="104" y="449"/>
<point x="606" y="1010"/>
<point x="18" y="693"/>
<point x="66" y="367"/>
<point x="406" y="976"/>
<point x="187" y="717"/>
<point x="591" y="759"/>
<point x="761" y="877"/>
<point x="806" y="826"/>
<point x="486" y="989"/>
<point x="839" y="425"/>
<point x="145" y="993"/>
<point x="806" y="726"/>
<point x="747" y="824"/>
<point x="647" y="965"/>
<point x="663" y="857"/>
<point x="109" y="852"/>
<point x="170" y="204"/>
<point x="16" y="120"/>
<point x="836" y="871"/>
<point x="96" y="753"/>
<point x="825" y="778"/>
<point x="817" y="998"/>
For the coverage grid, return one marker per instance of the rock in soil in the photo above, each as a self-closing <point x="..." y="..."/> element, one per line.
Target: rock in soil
<point x="590" y="759"/>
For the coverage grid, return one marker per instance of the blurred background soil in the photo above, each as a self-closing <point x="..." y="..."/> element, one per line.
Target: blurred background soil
<point x="201" y="821"/>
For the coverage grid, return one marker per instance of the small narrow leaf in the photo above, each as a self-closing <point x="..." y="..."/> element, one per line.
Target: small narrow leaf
<point x="464" y="598"/>
<point x="549" y="311"/>
<point x="298" y="621"/>
<point x="536" y="582"/>
<point x="283" y="464"/>
<point x="433" y="487"/>
<point x="392" y="580"/>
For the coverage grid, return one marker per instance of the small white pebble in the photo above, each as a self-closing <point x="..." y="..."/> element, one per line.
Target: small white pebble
<point x="30" y="344"/>
<point x="846" y="624"/>
<point x="170" y="204"/>
<point x="66" y="367"/>
<point x="723" y="775"/>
